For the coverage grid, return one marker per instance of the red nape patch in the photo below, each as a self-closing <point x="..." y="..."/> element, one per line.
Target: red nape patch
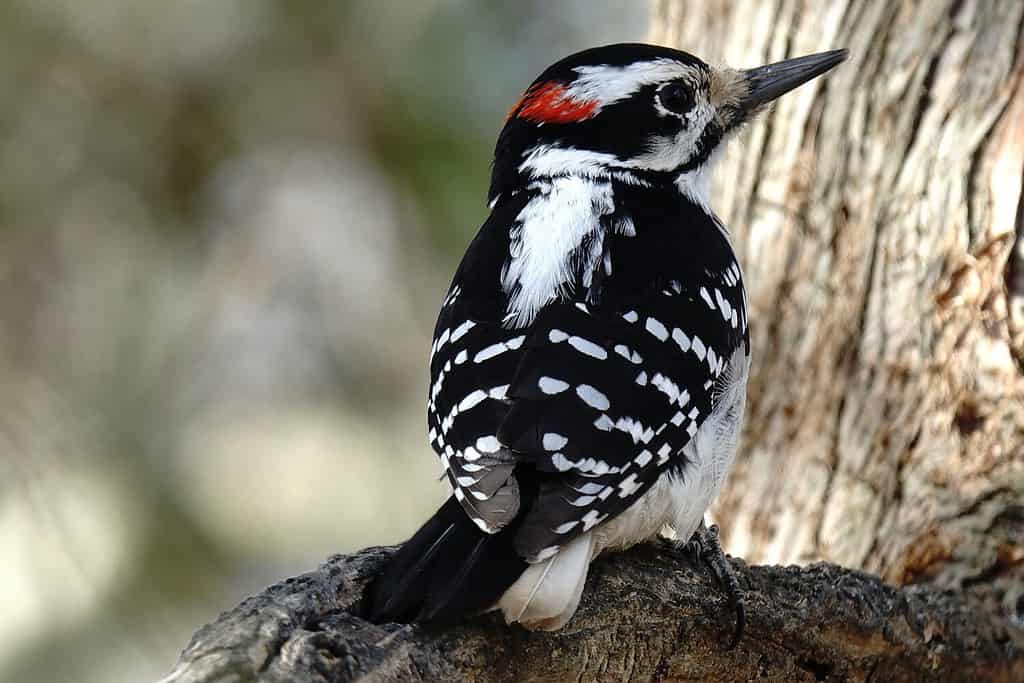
<point x="550" y="102"/>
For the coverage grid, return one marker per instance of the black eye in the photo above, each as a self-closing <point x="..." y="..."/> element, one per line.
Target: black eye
<point x="676" y="97"/>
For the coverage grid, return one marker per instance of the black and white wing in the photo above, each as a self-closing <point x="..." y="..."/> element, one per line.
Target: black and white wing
<point x="586" y="406"/>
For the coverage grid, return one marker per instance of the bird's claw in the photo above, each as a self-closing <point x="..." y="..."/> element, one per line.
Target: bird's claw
<point x="706" y="549"/>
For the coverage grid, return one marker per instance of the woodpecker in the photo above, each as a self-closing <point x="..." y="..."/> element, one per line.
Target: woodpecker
<point x="589" y="365"/>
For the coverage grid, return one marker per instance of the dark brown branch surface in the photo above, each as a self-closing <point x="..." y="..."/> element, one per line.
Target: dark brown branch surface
<point x="646" y="615"/>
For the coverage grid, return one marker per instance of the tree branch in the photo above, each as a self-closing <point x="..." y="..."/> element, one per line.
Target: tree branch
<point x="646" y="615"/>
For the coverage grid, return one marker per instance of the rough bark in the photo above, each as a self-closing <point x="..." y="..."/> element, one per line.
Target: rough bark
<point x="879" y="218"/>
<point x="646" y="615"/>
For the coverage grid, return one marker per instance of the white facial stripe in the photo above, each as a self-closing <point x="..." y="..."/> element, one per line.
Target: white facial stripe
<point x="547" y="161"/>
<point x="608" y="84"/>
<point x="664" y="153"/>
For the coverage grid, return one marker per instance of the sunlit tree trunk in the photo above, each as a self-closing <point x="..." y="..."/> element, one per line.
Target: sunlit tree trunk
<point x="879" y="218"/>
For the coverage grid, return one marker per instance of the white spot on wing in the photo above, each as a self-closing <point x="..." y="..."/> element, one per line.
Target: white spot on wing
<point x="629" y="486"/>
<point x="592" y="397"/>
<point x="698" y="347"/>
<point x="723" y="305"/>
<point x="490" y="352"/>
<point x="587" y="347"/>
<point x="707" y="298"/>
<point x="655" y="327"/>
<point x="488" y="444"/>
<point x="681" y="339"/>
<point x="553" y="441"/>
<point x="666" y="386"/>
<point x="473" y="399"/>
<point x="561" y="463"/>
<point x="557" y="336"/>
<point x="461" y="330"/>
<point x="550" y="385"/>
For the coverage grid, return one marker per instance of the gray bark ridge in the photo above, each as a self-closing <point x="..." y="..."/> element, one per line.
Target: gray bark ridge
<point x="646" y="615"/>
<point x="878" y="213"/>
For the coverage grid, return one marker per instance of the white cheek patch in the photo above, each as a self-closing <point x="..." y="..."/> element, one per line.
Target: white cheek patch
<point x="667" y="152"/>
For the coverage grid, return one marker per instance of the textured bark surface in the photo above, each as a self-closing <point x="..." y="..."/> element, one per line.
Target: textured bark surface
<point x="646" y="615"/>
<point x="879" y="218"/>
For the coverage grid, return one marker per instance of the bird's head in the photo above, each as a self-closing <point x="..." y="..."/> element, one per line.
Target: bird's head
<point x="636" y="111"/>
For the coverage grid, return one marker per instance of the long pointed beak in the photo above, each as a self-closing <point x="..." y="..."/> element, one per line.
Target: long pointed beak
<point x="769" y="82"/>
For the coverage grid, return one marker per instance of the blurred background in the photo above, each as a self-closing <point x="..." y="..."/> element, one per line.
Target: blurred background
<point x="225" y="229"/>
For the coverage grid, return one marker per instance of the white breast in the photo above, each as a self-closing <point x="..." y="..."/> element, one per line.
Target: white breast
<point x="712" y="449"/>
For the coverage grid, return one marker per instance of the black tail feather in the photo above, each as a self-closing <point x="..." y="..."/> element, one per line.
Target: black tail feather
<point x="448" y="569"/>
<point x="447" y="584"/>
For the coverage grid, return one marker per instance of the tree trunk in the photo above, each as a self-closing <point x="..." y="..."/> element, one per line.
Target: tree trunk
<point x="879" y="218"/>
<point x="645" y="616"/>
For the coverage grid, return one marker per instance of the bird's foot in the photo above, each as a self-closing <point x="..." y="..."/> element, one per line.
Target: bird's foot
<point x="707" y="550"/>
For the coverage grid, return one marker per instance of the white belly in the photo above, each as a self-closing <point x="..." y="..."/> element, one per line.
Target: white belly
<point x="680" y="500"/>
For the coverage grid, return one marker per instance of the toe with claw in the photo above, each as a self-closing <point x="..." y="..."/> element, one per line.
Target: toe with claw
<point x="706" y="549"/>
